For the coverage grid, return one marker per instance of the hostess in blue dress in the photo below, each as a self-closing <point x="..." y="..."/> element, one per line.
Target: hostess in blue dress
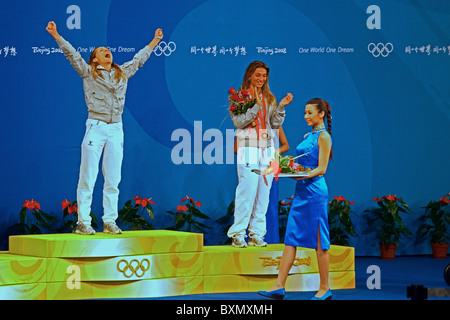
<point x="309" y="210"/>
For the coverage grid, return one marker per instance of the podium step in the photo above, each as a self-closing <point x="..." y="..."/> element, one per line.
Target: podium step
<point x="70" y="245"/>
<point x="266" y="260"/>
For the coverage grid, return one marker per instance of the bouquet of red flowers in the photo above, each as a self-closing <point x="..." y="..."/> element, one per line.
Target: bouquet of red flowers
<point x="240" y="101"/>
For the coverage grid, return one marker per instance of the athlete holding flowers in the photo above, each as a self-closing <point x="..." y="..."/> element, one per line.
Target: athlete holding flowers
<point x="255" y="150"/>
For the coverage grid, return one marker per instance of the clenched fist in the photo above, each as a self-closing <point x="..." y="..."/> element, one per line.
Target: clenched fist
<point x="51" y="28"/>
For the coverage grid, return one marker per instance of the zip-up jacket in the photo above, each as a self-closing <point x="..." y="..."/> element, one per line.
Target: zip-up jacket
<point x="248" y="136"/>
<point x="105" y="97"/>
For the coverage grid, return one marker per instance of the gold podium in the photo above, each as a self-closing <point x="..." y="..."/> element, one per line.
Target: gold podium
<point x="152" y="263"/>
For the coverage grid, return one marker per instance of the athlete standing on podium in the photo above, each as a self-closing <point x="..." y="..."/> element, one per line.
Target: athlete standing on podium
<point x="255" y="151"/>
<point x="105" y="85"/>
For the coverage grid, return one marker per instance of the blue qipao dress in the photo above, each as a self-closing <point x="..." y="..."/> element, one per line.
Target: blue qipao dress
<point x="309" y="210"/>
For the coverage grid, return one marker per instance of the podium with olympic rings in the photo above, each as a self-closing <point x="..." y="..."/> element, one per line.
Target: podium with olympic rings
<point x="134" y="264"/>
<point x="152" y="263"/>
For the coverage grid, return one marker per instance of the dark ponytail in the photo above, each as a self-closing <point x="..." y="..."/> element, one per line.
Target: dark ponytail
<point x="323" y="106"/>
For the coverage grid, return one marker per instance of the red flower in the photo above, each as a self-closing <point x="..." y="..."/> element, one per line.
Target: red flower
<point x="182" y="208"/>
<point x="187" y="198"/>
<point x="285" y="203"/>
<point x="235" y="97"/>
<point x="444" y="201"/>
<point x="143" y="201"/>
<point x="245" y="93"/>
<point x="341" y="198"/>
<point x="31" y="205"/>
<point x="390" y="198"/>
<point x="233" y="108"/>
<point x="72" y="209"/>
<point x="198" y="203"/>
<point x="232" y="91"/>
<point x="65" y="204"/>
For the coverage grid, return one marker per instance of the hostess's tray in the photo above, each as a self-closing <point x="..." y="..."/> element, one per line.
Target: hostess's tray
<point x="285" y="175"/>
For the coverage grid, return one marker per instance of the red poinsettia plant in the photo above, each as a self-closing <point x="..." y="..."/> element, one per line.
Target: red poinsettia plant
<point x="70" y="216"/>
<point x="388" y="220"/>
<point x="340" y="222"/>
<point x="284" y="206"/>
<point x="133" y="214"/>
<point x="436" y="221"/>
<point x="186" y="214"/>
<point x="240" y="101"/>
<point x="32" y="219"/>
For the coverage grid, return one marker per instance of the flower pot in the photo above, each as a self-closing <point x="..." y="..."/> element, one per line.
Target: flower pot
<point x="387" y="251"/>
<point x="439" y="250"/>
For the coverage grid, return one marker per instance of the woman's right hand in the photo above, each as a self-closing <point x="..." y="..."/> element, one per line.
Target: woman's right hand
<point x="51" y="28"/>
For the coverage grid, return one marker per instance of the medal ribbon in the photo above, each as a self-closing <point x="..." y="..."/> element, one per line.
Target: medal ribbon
<point x="259" y="116"/>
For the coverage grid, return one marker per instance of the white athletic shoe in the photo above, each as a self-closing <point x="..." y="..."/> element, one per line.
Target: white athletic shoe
<point x="84" y="229"/>
<point x="239" y="242"/>
<point x="111" y="228"/>
<point x="257" y="241"/>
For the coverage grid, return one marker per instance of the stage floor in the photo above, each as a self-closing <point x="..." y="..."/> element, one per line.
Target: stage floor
<point x="396" y="276"/>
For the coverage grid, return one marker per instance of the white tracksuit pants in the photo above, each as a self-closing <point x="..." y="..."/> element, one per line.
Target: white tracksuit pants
<point x="99" y="138"/>
<point x="252" y="194"/>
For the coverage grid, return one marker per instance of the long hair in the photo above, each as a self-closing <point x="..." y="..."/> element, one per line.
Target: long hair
<point x="95" y="72"/>
<point x="268" y="95"/>
<point x="323" y="106"/>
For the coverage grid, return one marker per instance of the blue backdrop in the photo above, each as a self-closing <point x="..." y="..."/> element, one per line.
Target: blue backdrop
<point x="382" y="65"/>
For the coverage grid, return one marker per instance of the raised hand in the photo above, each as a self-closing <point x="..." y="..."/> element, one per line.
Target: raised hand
<point x="159" y="34"/>
<point x="286" y="100"/>
<point x="51" y="28"/>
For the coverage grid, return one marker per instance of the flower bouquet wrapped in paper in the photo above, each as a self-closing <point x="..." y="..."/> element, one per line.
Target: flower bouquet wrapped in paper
<point x="284" y="166"/>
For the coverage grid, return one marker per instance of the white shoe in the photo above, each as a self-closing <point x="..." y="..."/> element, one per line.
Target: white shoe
<point x="111" y="228"/>
<point x="257" y="241"/>
<point x="84" y="229"/>
<point x="239" y="242"/>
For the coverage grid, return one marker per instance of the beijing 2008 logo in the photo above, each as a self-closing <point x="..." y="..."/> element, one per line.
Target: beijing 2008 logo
<point x="380" y="49"/>
<point x="165" y="48"/>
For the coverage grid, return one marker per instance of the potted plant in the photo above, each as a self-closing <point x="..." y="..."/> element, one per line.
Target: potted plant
<point x="186" y="214"/>
<point x="284" y="206"/>
<point x="226" y="219"/>
<point x="133" y="215"/>
<point x="389" y="224"/>
<point x="340" y="222"/>
<point x="70" y="212"/>
<point x="32" y="219"/>
<point x="436" y="221"/>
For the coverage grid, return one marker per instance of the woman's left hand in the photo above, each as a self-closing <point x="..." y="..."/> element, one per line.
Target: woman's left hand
<point x="299" y="178"/>
<point x="286" y="100"/>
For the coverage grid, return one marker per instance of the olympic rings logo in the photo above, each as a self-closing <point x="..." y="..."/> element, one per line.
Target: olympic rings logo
<point x="380" y="49"/>
<point x="165" y="48"/>
<point x="134" y="267"/>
